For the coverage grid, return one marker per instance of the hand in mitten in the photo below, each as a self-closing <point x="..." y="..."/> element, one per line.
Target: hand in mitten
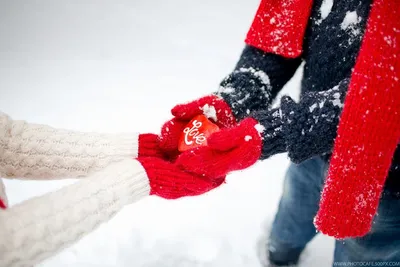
<point x="3" y="196"/>
<point x="3" y="204"/>
<point x="213" y="107"/>
<point x="228" y="150"/>
<point x="149" y="146"/>
<point x="166" y="178"/>
<point x="169" y="181"/>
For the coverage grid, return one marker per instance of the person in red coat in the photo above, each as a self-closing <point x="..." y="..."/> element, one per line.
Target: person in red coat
<point x="342" y="135"/>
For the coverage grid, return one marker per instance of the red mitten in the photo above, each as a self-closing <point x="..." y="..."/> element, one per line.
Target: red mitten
<point x="213" y="107"/>
<point x="3" y="204"/>
<point x="166" y="179"/>
<point x="228" y="150"/>
<point x="169" y="181"/>
<point x="149" y="146"/>
<point x="3" y="196"/>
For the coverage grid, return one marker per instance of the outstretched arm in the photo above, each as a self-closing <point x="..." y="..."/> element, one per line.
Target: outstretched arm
<point x="253" y="85"/>
<point x="42" y="152"/>
<point x="40" y="227"/>
<point x="303" y="129"/>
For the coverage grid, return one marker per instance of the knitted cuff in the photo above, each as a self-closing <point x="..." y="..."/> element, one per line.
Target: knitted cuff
<point x="149" y="146"/>
<point x="170" y="182"/>
<point x="256" y="80"/>
<point x="273" y="138"/>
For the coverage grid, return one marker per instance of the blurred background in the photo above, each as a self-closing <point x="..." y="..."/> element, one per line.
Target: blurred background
<point x="119" y="66"/>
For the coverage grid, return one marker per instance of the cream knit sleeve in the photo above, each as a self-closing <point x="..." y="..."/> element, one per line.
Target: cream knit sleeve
<point x="42" y="152"/>
<point x="38" y="228"/>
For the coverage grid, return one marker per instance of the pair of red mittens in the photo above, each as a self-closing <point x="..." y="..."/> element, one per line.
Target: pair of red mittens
<point x="166" y="178"/>
<point x="235" y="146"/>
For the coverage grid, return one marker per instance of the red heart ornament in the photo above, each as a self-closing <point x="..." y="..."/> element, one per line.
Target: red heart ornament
<point x="196" y="133"/>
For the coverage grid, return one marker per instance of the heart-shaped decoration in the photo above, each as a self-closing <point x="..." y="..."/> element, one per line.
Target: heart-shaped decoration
<point x="196" y="133"/>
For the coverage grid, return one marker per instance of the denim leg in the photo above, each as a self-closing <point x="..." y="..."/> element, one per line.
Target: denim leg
<point x="382" y="243"/>
<point x="293" y="226"/>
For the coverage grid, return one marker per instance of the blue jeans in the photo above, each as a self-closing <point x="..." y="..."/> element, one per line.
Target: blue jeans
<point x="293" y="226"/>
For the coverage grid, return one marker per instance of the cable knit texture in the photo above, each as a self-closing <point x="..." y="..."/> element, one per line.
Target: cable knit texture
<point x="38" y="228"/>
<point x="42" y="152"/>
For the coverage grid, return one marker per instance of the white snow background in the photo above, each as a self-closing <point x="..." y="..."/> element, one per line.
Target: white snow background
<point x="119" y="66"/>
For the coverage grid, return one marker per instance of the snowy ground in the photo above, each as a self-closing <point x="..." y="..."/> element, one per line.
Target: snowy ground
<point x="119" y="66"/>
